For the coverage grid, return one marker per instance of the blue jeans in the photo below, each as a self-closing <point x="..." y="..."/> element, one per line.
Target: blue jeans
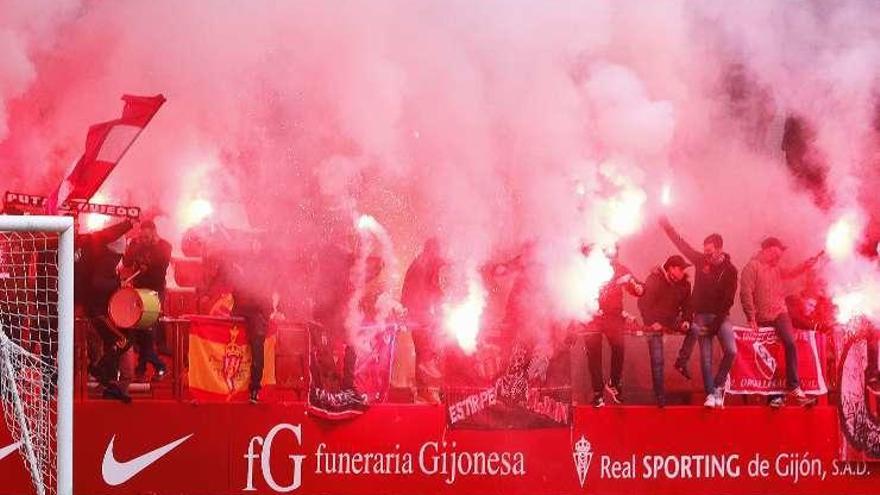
<point x="785" y="331"/>
<point x="655" y="350"/>
<point x="703" y="329"/>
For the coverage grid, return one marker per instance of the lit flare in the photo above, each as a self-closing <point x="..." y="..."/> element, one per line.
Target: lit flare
<point x="196" y="211"/>
<point x="842" y="236"/>
<point x="462" y="319"/>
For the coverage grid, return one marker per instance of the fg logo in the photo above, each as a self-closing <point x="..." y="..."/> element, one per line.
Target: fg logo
<point x="265" y="457"/>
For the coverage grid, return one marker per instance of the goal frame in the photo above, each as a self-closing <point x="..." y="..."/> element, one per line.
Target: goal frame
<point x="64" y="226"/>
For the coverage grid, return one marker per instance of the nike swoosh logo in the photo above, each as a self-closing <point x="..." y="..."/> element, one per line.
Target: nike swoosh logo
<point x="117" y="473"/>
<point x="5" y="451"/>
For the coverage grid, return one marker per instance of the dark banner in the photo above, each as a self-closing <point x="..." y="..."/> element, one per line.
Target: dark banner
<point x="859" y="402"/>
<point x="36" y="205"/>
<point x="525" y="394"/>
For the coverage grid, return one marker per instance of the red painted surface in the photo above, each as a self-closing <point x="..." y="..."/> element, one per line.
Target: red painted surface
<point x="215" y="458"/>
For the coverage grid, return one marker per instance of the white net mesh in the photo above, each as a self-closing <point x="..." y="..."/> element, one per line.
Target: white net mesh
<point x="29" y="349"/>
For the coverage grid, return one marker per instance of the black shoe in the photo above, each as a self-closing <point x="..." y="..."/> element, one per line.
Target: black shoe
<point x="682" y="368"/>
<point x="159" y="375"/>
<point x="598" y="401"/>
<point x="254" y="397"/>
<point x="114" y="392"/>
<point x="661" y="402"/>
<point x="614" y="393"/>
<point x="777" y="402"/>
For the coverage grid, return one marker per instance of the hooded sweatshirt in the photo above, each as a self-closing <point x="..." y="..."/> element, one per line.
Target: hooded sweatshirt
<point x="763" y="291"/>
<point x="665" y="301"/>
<point x="714" y="283"/>
<point x="95" y="268"/>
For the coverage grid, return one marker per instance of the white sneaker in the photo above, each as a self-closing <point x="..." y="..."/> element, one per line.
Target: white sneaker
<point x="802" y="399"/>
<point x="719" y="398"/>
<point x="710" y="401"/>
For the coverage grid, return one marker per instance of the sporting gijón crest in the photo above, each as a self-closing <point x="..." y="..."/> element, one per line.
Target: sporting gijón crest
<point x="582" y="454"/>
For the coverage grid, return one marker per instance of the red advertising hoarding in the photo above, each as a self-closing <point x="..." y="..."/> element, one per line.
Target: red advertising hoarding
<point x="169" y="447"/>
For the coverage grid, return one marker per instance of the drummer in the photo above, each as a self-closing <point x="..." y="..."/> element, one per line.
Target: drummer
<point x="665" y="306"/>
<point x="145" y="266"/>
<point x="97" y="254"/>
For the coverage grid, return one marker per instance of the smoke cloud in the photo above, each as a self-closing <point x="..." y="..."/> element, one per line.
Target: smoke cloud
<point x="486" y="125"/>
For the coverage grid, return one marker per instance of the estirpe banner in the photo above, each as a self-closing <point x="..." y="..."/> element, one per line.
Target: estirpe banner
<point x="760" y="364"/>
<point x="162" y="447"/>
<point x="518" y="398"/>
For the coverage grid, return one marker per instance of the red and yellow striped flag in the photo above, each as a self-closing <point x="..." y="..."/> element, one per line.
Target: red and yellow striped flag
<point x="220" y="358"/>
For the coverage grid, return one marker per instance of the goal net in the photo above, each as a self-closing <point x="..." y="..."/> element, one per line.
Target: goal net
<point x="36" y="345"/>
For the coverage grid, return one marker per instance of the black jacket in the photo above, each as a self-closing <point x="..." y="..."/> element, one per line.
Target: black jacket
<point x="153" y="260"/>
<point x="95" y="278"/>
<point x="664" y="301"/>
<point x="714" y="284"/>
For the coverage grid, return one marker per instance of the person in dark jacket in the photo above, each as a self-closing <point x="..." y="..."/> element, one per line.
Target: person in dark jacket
<point x="665" y="306"/>
<point x="332" y="393"/>
<point x="422" y="296"/>
<point x="611" y="322"/>
<point x="147" y="259"/>
<point x="715" y="283"/>
<point x="95" y="281"/>
<point x="246" y="268"/>
<point x="251" y="278"/>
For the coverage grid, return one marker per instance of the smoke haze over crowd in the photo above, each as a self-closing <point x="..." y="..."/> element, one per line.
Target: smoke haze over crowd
<point x="487" y="125"/>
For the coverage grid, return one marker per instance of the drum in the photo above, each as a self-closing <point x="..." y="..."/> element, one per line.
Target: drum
<point x="134" y="308"/>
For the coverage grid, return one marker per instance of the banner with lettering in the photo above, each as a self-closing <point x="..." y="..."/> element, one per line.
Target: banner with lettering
<point x="526" y="394"/>
<point x="759" y="367"/>
<point x="859" y="400"/>
<point x="172" y="448"/>
<point x="14" y="202"/>
<point x="335" y="367"/>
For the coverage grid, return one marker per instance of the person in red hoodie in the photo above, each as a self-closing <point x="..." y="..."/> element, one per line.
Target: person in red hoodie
<point x="610" y="322"/>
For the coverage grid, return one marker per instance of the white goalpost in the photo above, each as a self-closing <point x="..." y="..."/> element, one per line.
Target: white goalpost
<point x="36" y="345"/>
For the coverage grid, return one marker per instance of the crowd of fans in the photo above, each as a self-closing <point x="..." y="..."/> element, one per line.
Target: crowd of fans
<point x="667" y="302"/>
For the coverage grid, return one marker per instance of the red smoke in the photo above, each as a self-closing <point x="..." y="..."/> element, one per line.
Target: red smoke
<point x="484" y="125"/>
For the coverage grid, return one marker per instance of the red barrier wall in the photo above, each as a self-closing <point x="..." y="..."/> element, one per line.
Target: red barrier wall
<point x="259" y="449"/>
